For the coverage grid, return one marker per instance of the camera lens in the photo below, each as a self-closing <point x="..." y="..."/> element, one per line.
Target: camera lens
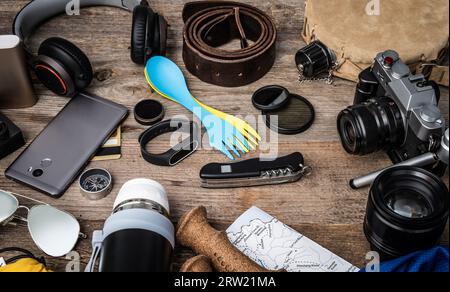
<point x="407" y="211"/>
<point x="38" y="173"/>
<point x="350" y="133"/>
<point x="314" y="59"/>
<point x="371" y="126"/>
<point x="409" y="204"/>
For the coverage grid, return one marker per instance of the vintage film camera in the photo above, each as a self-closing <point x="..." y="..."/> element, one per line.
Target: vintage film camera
<point x="394" y="110"/>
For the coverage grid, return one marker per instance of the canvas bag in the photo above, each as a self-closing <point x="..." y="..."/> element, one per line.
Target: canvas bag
<point x="357" y="30"/>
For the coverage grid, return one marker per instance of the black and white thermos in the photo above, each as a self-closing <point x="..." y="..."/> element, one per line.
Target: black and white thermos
<point x="138" y="236"/>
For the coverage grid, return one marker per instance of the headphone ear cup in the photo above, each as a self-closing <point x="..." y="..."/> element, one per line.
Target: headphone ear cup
<point x="156" y="41"/>
<point x="163" y="35"/>
<point x="142" y="17"/>
<point x="71" y="58"/>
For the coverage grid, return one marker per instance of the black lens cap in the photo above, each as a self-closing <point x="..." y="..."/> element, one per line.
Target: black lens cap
<point x="149" y="112"/>
<point x="270" y="98"/>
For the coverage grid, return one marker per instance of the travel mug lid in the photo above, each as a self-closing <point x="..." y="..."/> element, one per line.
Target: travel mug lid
<point x="143" y="189"/>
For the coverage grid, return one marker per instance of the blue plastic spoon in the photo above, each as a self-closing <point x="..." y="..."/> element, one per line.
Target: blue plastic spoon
<point x="168" y="79"/>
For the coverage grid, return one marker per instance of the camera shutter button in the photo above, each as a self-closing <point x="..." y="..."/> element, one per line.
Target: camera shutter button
<point x="388" y="61"/>
<point x="430" y="114"/>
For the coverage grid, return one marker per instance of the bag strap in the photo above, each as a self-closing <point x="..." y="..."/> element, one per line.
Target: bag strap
<point x="24" y="255"/>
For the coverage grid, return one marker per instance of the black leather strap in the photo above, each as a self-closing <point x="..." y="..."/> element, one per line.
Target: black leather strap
<point x="178" y="153"/>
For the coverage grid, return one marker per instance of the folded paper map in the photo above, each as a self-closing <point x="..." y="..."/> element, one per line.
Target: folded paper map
<point x="276" y="246"/>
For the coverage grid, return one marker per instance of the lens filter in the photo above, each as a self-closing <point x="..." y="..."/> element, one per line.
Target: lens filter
<point x="284" y="113"/>
<point x="295" y="117"/>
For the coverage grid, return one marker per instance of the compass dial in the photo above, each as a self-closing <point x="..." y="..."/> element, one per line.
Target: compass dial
<point x="96" y="184"/>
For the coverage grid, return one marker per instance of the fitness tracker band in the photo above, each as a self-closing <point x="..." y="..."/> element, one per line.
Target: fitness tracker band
<point x="178" y="153"/>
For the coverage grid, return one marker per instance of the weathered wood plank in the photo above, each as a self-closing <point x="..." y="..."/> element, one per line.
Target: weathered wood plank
<point x="322" y="206"/>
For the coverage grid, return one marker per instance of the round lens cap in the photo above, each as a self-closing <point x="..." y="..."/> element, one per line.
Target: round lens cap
<point x="149" y="112"/>
<point x="295" y="117"/>
<point x="270" y="98"/>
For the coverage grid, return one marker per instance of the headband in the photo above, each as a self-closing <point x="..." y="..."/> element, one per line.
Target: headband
<point x="38" y="11"/>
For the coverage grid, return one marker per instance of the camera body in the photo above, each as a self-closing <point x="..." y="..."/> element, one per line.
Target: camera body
<point x="394" y="110"/>
<point x="11" y="138"/>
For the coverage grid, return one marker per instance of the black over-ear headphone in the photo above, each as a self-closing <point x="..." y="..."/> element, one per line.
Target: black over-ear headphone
<point x="61" y="66"/>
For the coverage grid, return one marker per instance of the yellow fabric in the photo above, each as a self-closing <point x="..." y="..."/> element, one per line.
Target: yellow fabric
<point x="25" y="266"/>
<point x="417" y="29"/>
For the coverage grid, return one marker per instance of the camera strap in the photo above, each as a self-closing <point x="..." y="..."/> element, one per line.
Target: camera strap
<point x="435" y="72"/>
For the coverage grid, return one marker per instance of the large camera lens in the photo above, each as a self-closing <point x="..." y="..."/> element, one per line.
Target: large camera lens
<point x="371" y="126"/>
<point x="407" y="211"/>
<point x="409" y="204"/>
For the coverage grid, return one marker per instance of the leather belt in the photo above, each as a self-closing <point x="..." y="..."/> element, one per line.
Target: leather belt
<point x="209" y="25"/>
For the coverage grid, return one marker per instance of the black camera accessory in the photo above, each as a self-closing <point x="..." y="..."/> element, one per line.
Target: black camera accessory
<point x="294" y="113"/>
<point x="315" y="59"/>
<point x="296" y="117"/>
<point x="270" y="97"/>
<point x="178" y="153"/>
<point x="60" y="65"/>
<point x="11" y="138"/>
<point x="149" y="112"/>
<point x="254" y="172"/>
<point x="407" y="211"/>
<point x="95" y="184"/>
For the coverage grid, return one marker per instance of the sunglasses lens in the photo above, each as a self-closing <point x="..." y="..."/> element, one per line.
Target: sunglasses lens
<point x="55" y="232"/>
<point x="8" y="206"/>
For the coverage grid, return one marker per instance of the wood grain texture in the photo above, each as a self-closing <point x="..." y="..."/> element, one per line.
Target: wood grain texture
<point x="321" y="207"/>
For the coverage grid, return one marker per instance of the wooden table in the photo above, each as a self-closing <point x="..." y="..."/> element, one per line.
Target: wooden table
<point x="321" y="207"/>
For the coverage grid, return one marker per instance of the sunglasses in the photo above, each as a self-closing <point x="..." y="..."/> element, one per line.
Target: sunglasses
<point x="54" y="231"/>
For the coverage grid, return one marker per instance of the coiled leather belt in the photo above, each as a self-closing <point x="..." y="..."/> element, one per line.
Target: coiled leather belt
<point x="209" y="25"/>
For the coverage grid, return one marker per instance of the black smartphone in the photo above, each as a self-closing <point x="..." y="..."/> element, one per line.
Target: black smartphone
<point x="63" y="149"/>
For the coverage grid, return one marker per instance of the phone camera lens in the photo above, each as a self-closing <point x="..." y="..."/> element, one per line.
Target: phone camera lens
<point x="38" y="173"/>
